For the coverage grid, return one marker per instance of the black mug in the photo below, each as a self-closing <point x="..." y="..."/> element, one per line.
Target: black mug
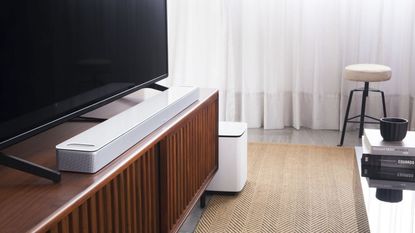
<point x="393" y="128"/>
<point x="389" y="195"/>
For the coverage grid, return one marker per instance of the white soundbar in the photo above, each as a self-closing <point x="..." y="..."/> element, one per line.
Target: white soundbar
<point x="92" y="149"/>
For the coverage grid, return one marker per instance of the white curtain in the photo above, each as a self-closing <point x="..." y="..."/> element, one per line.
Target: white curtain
<point x="279" y="63"/>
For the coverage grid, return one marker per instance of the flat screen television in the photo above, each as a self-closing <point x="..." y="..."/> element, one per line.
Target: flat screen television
<point x="62" y="58"/>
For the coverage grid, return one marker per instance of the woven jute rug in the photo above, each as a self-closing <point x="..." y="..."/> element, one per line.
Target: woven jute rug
<point x="292" y="188"/>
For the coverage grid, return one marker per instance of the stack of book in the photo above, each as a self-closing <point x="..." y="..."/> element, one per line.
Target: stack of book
<point x="388" y="161"/>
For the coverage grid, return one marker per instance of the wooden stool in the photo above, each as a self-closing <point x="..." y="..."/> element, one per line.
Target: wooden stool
<point x="364" y="73"/>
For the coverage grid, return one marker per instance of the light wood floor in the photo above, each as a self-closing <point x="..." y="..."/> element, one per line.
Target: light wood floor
<point x="287" y="136"/>
<point x="303" y="136"/>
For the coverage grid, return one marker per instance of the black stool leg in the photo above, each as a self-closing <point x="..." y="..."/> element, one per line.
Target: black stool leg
<point x="362" y="112"/>
<point x="346" y="117"/>
<point x="383" y="103"/>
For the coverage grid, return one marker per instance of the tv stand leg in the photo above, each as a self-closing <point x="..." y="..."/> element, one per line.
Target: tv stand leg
<point x="157" y="87"/>
<point x="29" y="167"/>
<point x="203" y="200"/>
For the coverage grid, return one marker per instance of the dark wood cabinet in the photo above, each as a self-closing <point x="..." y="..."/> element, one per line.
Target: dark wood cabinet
<point x="188" y="161"/>
<point x="150" y="188"/>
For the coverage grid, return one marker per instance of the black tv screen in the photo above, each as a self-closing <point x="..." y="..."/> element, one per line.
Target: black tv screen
<point x="62" y="58"/>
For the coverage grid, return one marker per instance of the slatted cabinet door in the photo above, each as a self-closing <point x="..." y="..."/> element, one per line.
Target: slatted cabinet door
<point x="128" y="203"/>
<point x="188" y="162"/>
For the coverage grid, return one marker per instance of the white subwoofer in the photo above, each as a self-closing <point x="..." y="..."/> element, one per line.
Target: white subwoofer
<point x="233" y="167"/>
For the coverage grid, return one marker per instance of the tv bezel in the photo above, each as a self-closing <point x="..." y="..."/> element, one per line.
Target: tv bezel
<point x="41" y="128"/>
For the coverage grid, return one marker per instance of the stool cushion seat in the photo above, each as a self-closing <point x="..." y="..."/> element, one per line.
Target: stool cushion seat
<point x="367" y="73"/>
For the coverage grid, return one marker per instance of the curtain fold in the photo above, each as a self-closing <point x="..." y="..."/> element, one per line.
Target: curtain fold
<point x="279" y="63"/>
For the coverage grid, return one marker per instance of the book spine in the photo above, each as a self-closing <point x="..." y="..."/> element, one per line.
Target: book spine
<point x="406" y="162"/>
<point x="399" y="151"/>
<point x="388" y="174"/>
<point x="391" y="184"/>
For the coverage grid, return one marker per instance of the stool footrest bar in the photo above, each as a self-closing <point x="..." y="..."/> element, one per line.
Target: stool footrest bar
<point x="365" y="122"/>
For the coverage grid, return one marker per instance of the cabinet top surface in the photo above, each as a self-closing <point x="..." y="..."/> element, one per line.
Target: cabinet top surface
<point x="27" y="201"/>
